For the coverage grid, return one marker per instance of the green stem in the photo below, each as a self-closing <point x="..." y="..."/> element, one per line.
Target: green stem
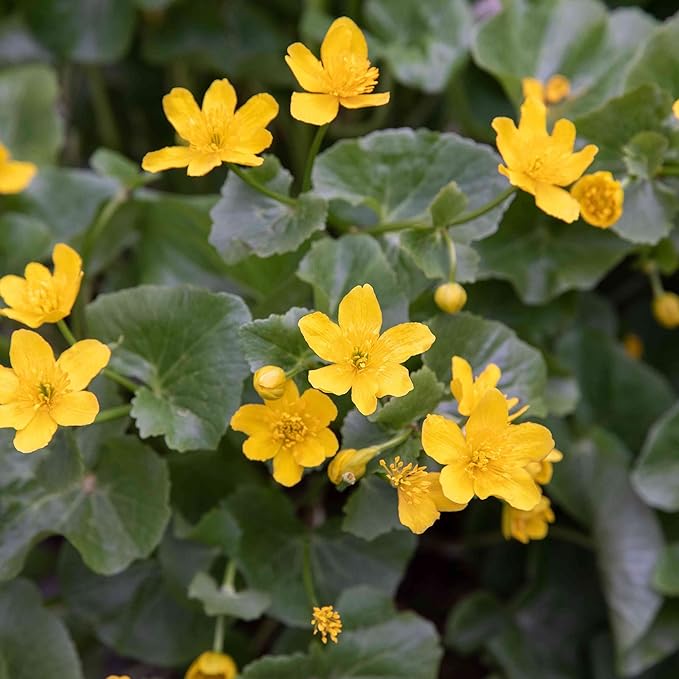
<point x="113" y="413"/>
<point x="230" y="575"/>
<point x="452" y="255"/>
<point x="218" y="640"/>
<point x="123" y="381"/>
<point x="304" y="363"/>
<point x="395" y="441"/>
<point x="467" y="217"/>
<point x="253" y="183"/>
<point x="103" y="111"/>
<point x="307" y="575"/>
<point x="99" y="224"/>
<point x="313" y="151"/>
<point x="396" y="226"/>
<point x="654" y="280"/>
<point x="66" y="332"/>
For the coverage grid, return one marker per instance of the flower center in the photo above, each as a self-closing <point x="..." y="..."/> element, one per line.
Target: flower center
<point x="359" y="358"/>
<point x="289" y="430"/>
<point x="351" y="76"/>
<point x="598" y="201"/>
<point x="45" y="391"/>
<point x="411" y="481"/>
<point x="479" y="460"/>
<point x="42" y="296"/>
<point x="327" y="623"/>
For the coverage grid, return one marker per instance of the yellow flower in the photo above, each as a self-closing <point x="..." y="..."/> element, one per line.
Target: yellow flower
<point x="600" y="197"/>
<point x="543" y="471"/>
<point x="490" y="457"/>
<point x="363" y="360"/>
<point x="666" y="309"/>
<point x="292" y="430"/>
<point x="349" y="465"/>
<point x="216" y="134"/>
<point x="327" y="622"/>
<point x="675" y="108"/>
<point x="116" y="676"/>
<point x="527" y="525"/>
<point x="633" y="345"/>
<point x="420" y="498"/>
<point x="540" y="163"/>
<point x="269" y="382"/>
<point x="15" y="175"/>
<point x="450" y="297"/>
<point x="343" y="76"/>
<point x="212" y="665"/>
<point x="558" y="87"/>
<point x="41" y="297"/>
<point x="469" y="391"/>
<point x="38" y="393"/>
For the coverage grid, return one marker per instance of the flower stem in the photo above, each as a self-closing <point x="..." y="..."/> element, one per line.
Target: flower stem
<point x="467" y="217"/>
<point x="313" y="151"/>
<point x="103" y="111"/>
<point x="99" y="224"/>
<point x="452" y="255"/>
<point x="113" y="413"/>
<point x="66" y="332"/>
<point x="307" y="575"/>
<point x="228" y="583"/>
<point x="253" y="183"/>
<point x="395" y="441"/>
<point x="654" y="280"/>
<point x="123" y="381"/>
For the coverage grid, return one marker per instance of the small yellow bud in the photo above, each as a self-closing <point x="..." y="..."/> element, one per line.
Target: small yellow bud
<point x="269" y="382"/>
<point x="211" y="665"/>
<point x="600" y="197"/>
<point x="633" y="345"/>
<point x="666" y="309"/>
<point x="675" y="108"/>
<point x="450" y="297"/>
<point x="558" y="87"/>
<point x="349" y="465"/>
<point x="327" y="622"/>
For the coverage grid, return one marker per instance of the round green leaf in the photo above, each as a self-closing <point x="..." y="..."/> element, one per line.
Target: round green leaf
<point x="23" y="239"/>
<point x="248" y="604"/>
<point x="371" y="509"/>
<point x="183" y="343"/>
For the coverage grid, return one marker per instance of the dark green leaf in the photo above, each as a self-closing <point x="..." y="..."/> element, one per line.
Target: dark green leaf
<point x="116" y="166"/>
<point x="248" y="604"/>
<point x="22" y="239"/>
<point x="474" y="621"/>
<point x="644" y="154"/>
<point x="429" y="250"/>
<point x="371" y="509"/>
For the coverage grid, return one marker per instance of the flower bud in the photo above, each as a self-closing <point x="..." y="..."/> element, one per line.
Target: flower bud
<point x="600" y="197"/>
<point x="349" y="465"/>
<point x="666" y="309"/>
<point x="213" y="665"/>
<point x="558" y="87"/>
<point x="450" y="297"/>
<point x="633" y="345"/>
<point x="269" y="382"/>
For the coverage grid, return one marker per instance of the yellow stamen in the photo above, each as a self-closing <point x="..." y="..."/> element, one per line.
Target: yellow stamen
<point x="411" y="481"/>
<point x="326" y="621"/>
<point x="289" y="430"/>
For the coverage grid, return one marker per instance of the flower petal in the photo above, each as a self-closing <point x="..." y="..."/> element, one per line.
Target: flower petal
<point x="13" y="291"/>
<point x="563" y="135"/>
<point x="333" y="379"/>
<point x="9" y="383"/>
<point x="256" y="113"/>
<point x="517" y="488"/>
<point x="309" y="452"/>
<point x="329" y="441"/>
<point x="16" y="414"/>
<point x="83" y="362"/>
<point x="364" y="392"/>
<point x="202" y="163"/>
<point x="344" y="39"/>
<point x="528" y="442"/>
<point x="402" y="341"/>
<point x="394" y="380"/>
<point x="28" y="318"/>
<point x="315" y="109"/>
<point x="260" y="447"/>
<point x="324" y="337"/>
<point x="456" y="482"/>
<point x="219" y="104"/>
<point x="168" y="158"/>
<point x="184" y="115"/>
<point x="556" y="202"/>
<point x="418" y="516"/>
<point x="443" y="504"/>
<point x="256" y="143"/>
<point x="359" y="315"/>
<point x="443" y="441"/>
<point x="252" y="419"/>
<point x="574" y="165"/>
<point x="488" y="420"/>
<point x="306" y="68"/>
<point x="38" y="273"/>
<point x="30" y="355"/>
<point x="533" y="117"/>
<point x="508" y="141"/>
<point x="75" y="409"/>
<point x="320" y="410"/>
<point x="240" y="158"/>
<point x="36" y="434"/>
<point x="517" y="178"/>
<point x="67" y="275"/>
<point x="286" y="470"/>
<point x="365" y="100"/>
<point x="16" y="176"/>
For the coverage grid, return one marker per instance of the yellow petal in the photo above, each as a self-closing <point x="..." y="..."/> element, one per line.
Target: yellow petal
<point x="16" y="414"/>
<point x="240" y="158"/>
<point x="443" y="504"/>
<point x="365" y="100"/>
<point x="517" y="178"/>
<point x="462" y="377"/>
<point x="563" y="135"/>
<point x="67" y="276"/>
<point x="287" y="401"/>
<point x="394" y="380"/>
<point x="256" y="143"/>
<point x="489" y="377"/>
<point x="260" y="447"/>
<point x="402" y="341"/>
<point x="315" y="109"/>
<point x="319" y="408"/>
<point x="257" y="112"/>
<point x="333" y="379"/>
<point x="528" y="442"/>
<point x="359" y="315"/>
<point x="184" y="115"/>
<point x="30" y="355"/>
<point x="252" y="419"/>
<point x="329" y="442"/>
<point x="364" y="392"/>
<point x="219" y="104"/>
<point x="75" y="409"/>
<point x="286" y="471"/>
<point x="573" y="167"/>
<point x="16" y="176"/>
<point x="9" y="383"/>
<point x="457" y="483"/>
<point x="533" y="117"/>
<point x="343" y="39"/>
<point x="418" y="516"/>
<point x="517" y="488"/>
<point x="443" y="441"/>
<point x="83" y="362"/>
<point x="32" y="320"/>
<point x="309" y="452"/>
<point x="202" y="163"/>
<point x="38" y="274"/>
<point x="306" y="68"/>
<point x="556" y="202"/>
<point x="214" y="665"/>
<point x="325" y="337"/>
<point x="488" y="419"/>
<point x="532" y="87"/>
<point x="13" y="291"/>
<point x="508" y="141"/>
<point x="168" y="158"/>
<point x="36" y="434"/>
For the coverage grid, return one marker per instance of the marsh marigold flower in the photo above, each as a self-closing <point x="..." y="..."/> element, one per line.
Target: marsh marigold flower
<point x="292" y="430"/>
<point x="216" y="134"/>
<point x="342" y="76"/>
<point x="527" y="525"/>
<point x="557" y="88"/>
<point x="490" y="457"/>
<point x="540" y="163"/>
<point x="212" y="665"/>
<point x="327" y="622"/>
<point x="675" y="108"/>
<point x="269" y="382"/>
<point x="666" y="309"/>
<point x="450" y="297"/>
<point x="15" y="175"/>
<point x="350" y="464"/>
<point x="600" y="196"/>
<point x="420" y="498"/>
<point x="363" y="360"/>
<point x="37" y="393"/>
<point x="41" y="297"/>
<point x="117" y="676"/>
<point x="543" y="471"/>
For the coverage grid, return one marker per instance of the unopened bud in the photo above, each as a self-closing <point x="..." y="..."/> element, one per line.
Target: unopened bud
<point x="349" y="465"/>
<point x="269" y="382"/>
<point x="666" y="309"/>
<point x="450" y="297"/>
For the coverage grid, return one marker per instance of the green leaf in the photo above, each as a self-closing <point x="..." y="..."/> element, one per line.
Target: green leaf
<point x="429" y="250"/>
<point x="644" y="154"/>
<point x="399" y="173"/>
<point x="481" y="342"/>
<point x="474" y="621"/>
<point x="183" y="343"/>
<point x="247" y="604"/>
<point x="88" y="31"/>
<point x="112" y="164"/>
<point x="333" y="267"/>
<point x="245" y="222"/>
<point x="543" y="257"/>
<point x="23" y="239"/>
<point x="113" y="510"/>
<point x="372" y="509"/>
<point x="423" y="399"/>
<point x="575" y="38"/>
<point x="423" y="42"/>
<point x="666" y="574"/>
<point x="449" y="203"/>
<point x="33" y="641"/>
<point x="275" y="340"/>
<point x="656" y="469"/>
<point x="30" y="126"/>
